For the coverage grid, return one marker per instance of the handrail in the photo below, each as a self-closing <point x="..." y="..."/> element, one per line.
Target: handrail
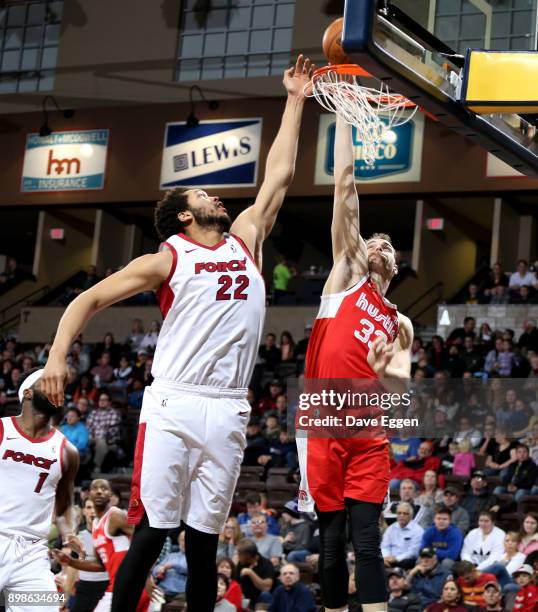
<point x="438" y="285"/>
<point x="425" y="309"/>
<point x="23" y="299"/>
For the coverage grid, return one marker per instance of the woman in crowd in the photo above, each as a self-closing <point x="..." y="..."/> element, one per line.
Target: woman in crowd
<point x="134" y="339"/>
<point x="503" y="565"/>
<point x="529" y="534"/>
<point x="503" y="455"/>
<point x="287" y="346"/>
<point x="451" y="599"/>
<point x="149" y="341"/>
<point x="229" y="537"/>
<point x="431" y="494"/>
<point x="86" y="388"/>
<point x="234" y="594"/>
<point x="437" y="352"/>
<point x="222" y="604"/>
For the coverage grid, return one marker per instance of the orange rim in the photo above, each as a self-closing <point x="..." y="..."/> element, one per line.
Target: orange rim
<point x="356" y="70"/>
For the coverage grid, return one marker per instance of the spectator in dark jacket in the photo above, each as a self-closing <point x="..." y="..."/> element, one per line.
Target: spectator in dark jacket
<point x="520" y="476"/>
<point x="292" y="595"/>
<point x="295" y="530"/>
<point x="478" y="498"/>
<point x="445" y="539"/>
<point x="401" y="598"/>
<point x="459" y="516"/>
<point x="269" y="353"/>
<point x="428" y="577"/>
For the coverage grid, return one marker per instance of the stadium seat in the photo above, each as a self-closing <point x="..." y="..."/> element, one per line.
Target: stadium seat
<point x="510" y="521"/>
<point x="456" y="481"/>
<point x="278" y="498"/>
<point x="252" y="472"/>
<point x="528" y="503"/>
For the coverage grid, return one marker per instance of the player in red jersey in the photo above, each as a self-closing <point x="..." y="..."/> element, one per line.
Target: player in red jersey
<point x="358" y="334"/>
<point x="111" y="537"/>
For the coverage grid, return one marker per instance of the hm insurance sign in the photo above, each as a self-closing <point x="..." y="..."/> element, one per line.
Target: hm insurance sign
<point x="399" y="157"/>
<point x="65" y="161"/>
<point x="212" y="154"/>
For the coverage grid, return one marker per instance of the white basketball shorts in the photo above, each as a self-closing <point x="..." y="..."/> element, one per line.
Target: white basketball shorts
<point x="25" y="567"/>
<point x="188" y="455"/>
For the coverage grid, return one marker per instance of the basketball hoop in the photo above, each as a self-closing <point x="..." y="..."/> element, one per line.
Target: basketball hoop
<point x="372" y="111"/>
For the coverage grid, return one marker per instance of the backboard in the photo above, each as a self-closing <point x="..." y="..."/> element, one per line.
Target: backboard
<point x="417" y="47"/>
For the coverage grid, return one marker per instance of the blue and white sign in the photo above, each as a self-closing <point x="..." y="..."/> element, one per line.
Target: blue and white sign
<point x="65" y="161"/>
<point x="212" y="154"/>
<point x="399" y="156"/>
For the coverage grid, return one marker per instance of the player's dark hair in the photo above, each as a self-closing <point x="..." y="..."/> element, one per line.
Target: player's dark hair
<point x="166" y="221"/>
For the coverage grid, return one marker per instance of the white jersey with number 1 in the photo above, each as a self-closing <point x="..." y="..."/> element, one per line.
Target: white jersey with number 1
<point x="213" y="305"/>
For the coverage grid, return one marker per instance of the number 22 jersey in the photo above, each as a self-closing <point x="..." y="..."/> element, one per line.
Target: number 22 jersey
<point x="346" y="326"/>
<point x="213" y="306"/>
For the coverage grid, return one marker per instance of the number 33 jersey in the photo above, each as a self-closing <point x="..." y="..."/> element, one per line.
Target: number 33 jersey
<point x="30" y="469"/>
<point x="346" y="326"/>
<point x="213" y="306"/>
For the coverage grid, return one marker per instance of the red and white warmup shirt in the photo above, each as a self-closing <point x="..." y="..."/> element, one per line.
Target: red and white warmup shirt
<point x="213" y="305"/>
<point x="335" y="468"/>
<point x="30" y="469"/>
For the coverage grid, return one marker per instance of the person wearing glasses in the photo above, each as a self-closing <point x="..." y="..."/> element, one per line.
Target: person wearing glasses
<point x="401" y="541"/>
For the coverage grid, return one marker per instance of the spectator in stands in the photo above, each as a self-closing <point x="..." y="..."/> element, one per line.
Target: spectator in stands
<point x="457" y="335"/>
<point x="253" y="502"/>
<point x="171" y="574"/>
<point x="532" y="442"/>
<point x="471" y="355"/>
<point x="518" y="421"/>
<point x="282" y="274"/>
<point x="78" y="357"/>
<point x="104" y="428"/>
<point x="123" y="373"/>
<point x="103" y="372"/>
<point x="84" y="409"/>
<point x="491" y="362"/>
<point x="454" y="363"/>
<point x="506" y="360"/>
<point x="522" y="276"/>
<point x="499" y="296"/>
<point x="256" y="443"/>
<point x="428" y="577"/>
<point x="292" y="595"/>
<point x="520" y="477"/>
<point x="472" y="294"/>
<point x="467" y="432"/>
<point x="110" y="346"/>
<point x="529" y="338"/>
<point x="422" y="515"/>
<point x="497" y="278"/>
<point x="269" y="546"/>
<point x="281" y="452"/>
<point x="13" y="383"/>
<point x="149" y="342"/>
<point x="271" y="431"/>
<point x="504" y="565"/>
<point x="234" y="594"/>
<point x="400" y="544"/>
<point x="281" y="402"/>
<point x="464" y="461"/>
<point x="484" y="542"/>
<point x="529" y="534"/>
<point x="86" y="389"/>
<point x="401" y="598"/>
<point x="503" y="454"/>
<point x="136" y="396"/>
<point x="430" y="494"/>
<point x="302" y="346"/>
<point x="447" y="464"/>
<point x="256" y="574"/>
<point x="287" y="347"/>
<point x="134" y="339"/>
<point x="472" y="582"/>
<point x="527" y="596"/>
<point x="268" y="401"/>
<point x="222" y="604"/>
<point x="404" y="447"/>
<point x="295" y="530"/>
<point x="478" y="498"/>
<point x="445" y="539"/>
<point x="492" y="598"/>
<point x="485" y="337"/>
<point x="231" y="534"/>
<point x="70" y="385"/>
<point x="458" y="515"/>
<point x="415" y="469"/>
<point x="451" y="599"/>
<point x="76" y="431"/>
<point x="437" y="352"/>
<point x="415" y="348"/>
<point x="269" y="353"/>
<point x="524" y="295"/>
<point x="91" y="278"/>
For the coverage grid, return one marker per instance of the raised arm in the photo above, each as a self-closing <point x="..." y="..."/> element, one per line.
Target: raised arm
<point x="142" y="274"/>
<point x="345" y="228"/>
<point x="254" y="224"/>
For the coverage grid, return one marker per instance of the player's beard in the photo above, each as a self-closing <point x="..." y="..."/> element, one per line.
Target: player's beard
<point x="221" y="222"/>
<point x="42" y="405"/>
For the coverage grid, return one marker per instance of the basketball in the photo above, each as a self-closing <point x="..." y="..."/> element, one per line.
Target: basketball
<point x="332" y="43"/>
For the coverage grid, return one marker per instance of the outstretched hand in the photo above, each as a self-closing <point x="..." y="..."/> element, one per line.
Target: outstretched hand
<point x="380" y="356"/>
<point x="296" y="77"/>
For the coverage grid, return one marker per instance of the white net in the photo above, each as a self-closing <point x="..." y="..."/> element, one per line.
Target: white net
<point x="373" y="111"/>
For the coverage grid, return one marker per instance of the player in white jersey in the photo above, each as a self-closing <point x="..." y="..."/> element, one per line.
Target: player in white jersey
<point x="37" y="472"/>
<point x="192" y="425"/>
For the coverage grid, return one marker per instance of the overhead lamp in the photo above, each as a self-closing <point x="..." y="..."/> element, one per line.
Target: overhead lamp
<point x="192" y="119"/>
<point x="45" y="129"/>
